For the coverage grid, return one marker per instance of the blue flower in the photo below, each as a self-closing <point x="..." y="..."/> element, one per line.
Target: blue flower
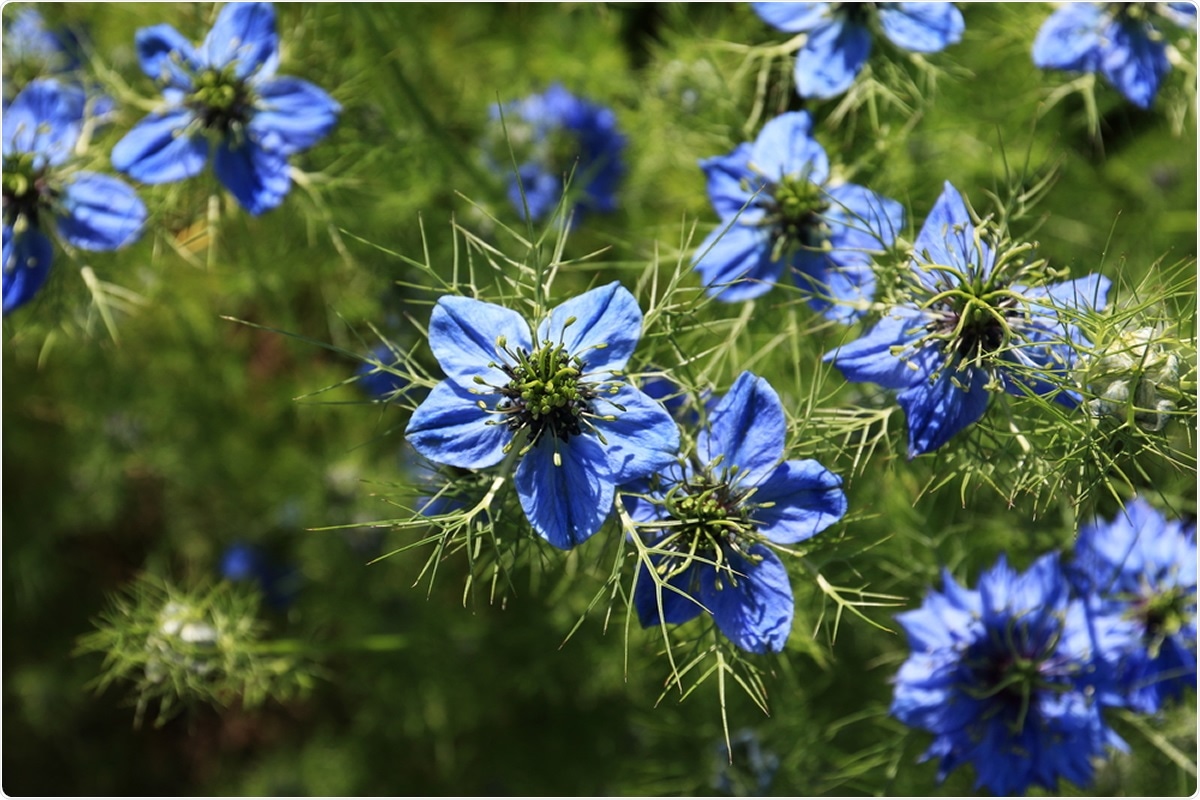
<point x="225" y="93"/>
<point x="1007" y="677"/>
<point x="840" y="34"/>
<point x="554" y="136"/>
<point x="1142" y="567"/>
<point x="32" y="50"/>
<point x="1121" y="41"/>
<point x="374" y="377"/>
<point x="779" y="209"/>
<point x="712" y="519"/>
<point x="43" y="195"/>
<point x="246" y="562"/>
<point x="974" y="327"/>
<point x="555" y="399"/>
<point x="744" y="768"/>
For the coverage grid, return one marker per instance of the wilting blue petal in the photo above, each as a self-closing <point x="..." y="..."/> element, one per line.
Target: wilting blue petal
<point x="938" y="409"/>
<point x="258" y="178"/>
<point x="450" y="428"/>
<point x="568" y="502"/>
<point x="291" y="115"/>
<point x="786" y="147"/>
<point x="1070" y="38"/>
<point x="1135" y="62"/>
<point x="166" y="56"/>
<point x="100" y="212"/>
<point x="947" y="239"/>
<point x="46" y="119"/>
<point x="735" y="263"/>
<point x="732" y="185"/>
<point x="747" y="429"/>
<point x="754" y="607"/>
<point x="27" y="258"/>
<point x="642" y="440"/>
<point x="801" y="499"/>
<point x="244" y="33"/>
<point x="792" y="17"/>
<point x="166" y="146"/>
<point x="606" y="328"/>
<point x="463" y="333"/>
<point x="882" y="355"/>
<point x="679" y="604"/>
<point x="921" y="27"/>
<point x="831" y="59"/>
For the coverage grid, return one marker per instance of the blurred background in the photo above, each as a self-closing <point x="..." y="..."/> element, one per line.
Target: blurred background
<point x="162" y="439"/>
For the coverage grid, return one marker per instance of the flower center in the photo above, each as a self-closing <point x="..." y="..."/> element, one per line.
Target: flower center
<point x="545" y="391"/>
<point x="221" y="99"/>
<point x="27" y="189"/>
<point x="794" y="207"/>
<point x="977" y="326"/>
<point x="712" y="521"/>
<point x="1163" y="614"/>
<point x="1001" y="672"/>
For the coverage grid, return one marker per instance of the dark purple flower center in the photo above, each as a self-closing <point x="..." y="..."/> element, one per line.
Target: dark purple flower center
<point x="27" y="189"/>
<point x="1007" y="668"/>
<point x="976" y="327"/>
<point x="710" y="521"/>
<point x="221" y="100"/>
<point x="1162" y="614"/>
<point x="545" y="392"/>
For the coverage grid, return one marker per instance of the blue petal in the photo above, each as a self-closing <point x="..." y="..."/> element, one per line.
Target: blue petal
<point x="831" y="59"/>
<point x="845" y="291"/>
<point x="535" y="189"/>
<point x="735" y="263"/>
<point x="754" y="607"/>
<point x="1070" y="38"/>
<point x="46" y="119"/>
<point x="568" y="502"/>
<point x="732" y="185"/>
<point x="244" y="33"/>
<point x="607" y="326"/>
<point x="642" y="440"/>
<point x="27" y="260"/>
<point x="679" y="605"/>
<point x="292" y="115"/>
<point x="883" y="354"/>
<point x="786" y="147"/>
<point x="939" y="409"/>
<point x="166" y="146"/>
<point x="747" y="429"/>
<point x="860" y="220"/>
<point x="100" y="212"/>
<point x="1134" y="62"/>
<point x="1081" y="294"/>
<point x="921" y="27"/>
<point x="947" y="239"/>
<point x="258" y="178"/>
<point x="807" y="498"/>
<point x="463" y="333"/>
<point x="451" y="428"/>
<point x="1182" y="14"/>
<point x="792" y="17"/>
<point x="166" y="56"/>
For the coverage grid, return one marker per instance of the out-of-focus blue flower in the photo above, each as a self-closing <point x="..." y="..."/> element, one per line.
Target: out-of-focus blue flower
<point x="1007" y="677"/>
<point x="973" y="327"/>
<point x="779" y="210"/>
<point x="1121" y="41"/>
<point x="374" y="377"/>
<point x="245" y="562"/>
<point x="744" y="768"/>
<point x="225" y="95"/>
<point x="32" y="50"/>
<point x="556" y="396"/>
<point x="840" y="34"/>
<point x="712" y="518"/>
<point x="43" y="195"/>
<point x="554" y="136"/>
<point x="1142" y="567"/>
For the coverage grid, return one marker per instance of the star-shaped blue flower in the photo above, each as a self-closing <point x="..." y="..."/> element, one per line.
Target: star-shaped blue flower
<point x="840" y="35"/>
<point x="1142" y="567"/>
<point x="557" y="397"/>
<point x="711" y="521"/>
<point x="779" y="210"/>
<point x="43" y="195"/>
<point x="971" y="326"/>
<point x="1121" y="41"/>
<point x="1007" y="677"/>
<point x="225" y="94"/>
<point x="555" y="135"/>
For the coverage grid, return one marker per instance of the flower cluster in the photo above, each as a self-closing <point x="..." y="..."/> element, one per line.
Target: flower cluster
<point x="225" y="95"/>
<point x="558" y="140"/>
<point x="975" y="326"/>
<point x="1014" y="677"/>
<point x="780" y="210"/>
